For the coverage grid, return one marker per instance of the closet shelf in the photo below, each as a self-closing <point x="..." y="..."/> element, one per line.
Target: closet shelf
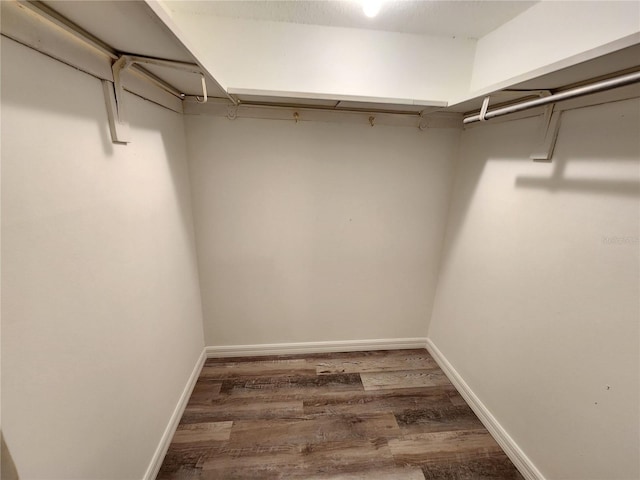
<point x="334" y="101"/>
<point x="144" y="28"/>
<point x="620" y="58"/>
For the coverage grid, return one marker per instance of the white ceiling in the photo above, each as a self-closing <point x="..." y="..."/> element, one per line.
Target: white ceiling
<point x="466" y="18"/>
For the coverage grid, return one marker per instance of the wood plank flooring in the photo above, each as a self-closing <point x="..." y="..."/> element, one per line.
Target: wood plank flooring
<point x="387" y="415"/>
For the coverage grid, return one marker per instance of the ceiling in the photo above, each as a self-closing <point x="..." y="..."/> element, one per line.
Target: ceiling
<point x="463" y="18"/>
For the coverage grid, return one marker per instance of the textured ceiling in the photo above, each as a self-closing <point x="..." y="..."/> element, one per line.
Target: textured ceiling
<point x="436" y="17"/>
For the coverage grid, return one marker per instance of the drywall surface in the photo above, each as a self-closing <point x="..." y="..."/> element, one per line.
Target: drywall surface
<point x="101" y="314"/>
<point x="317" y="231"/>
<point x="330" y="60"/>
<point x="537" y="301"/>
<point x="550" y="32"/>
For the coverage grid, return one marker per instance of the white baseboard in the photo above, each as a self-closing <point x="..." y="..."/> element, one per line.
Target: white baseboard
<point x="167" y="436"/>
<point x="314" y="347"/>
<point x="511" y="448"/>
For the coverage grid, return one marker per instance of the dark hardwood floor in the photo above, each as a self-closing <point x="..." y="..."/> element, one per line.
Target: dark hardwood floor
<point x="387" y="415"/>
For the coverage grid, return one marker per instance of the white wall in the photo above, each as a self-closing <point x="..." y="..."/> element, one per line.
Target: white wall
<point x="329" y="60"/>
<point x="317" y="231"/>
<point x="101" y="314"/>
<point x="550" y="32"/>
<point x="537" y="301"/>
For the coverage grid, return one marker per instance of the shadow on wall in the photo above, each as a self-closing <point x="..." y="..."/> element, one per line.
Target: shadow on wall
<point x="7" y="467"/>
<point x="23" y="74"/>
<point x="479" y="146"/>
<point x="22" y="77"/>
<point x="513" y="142"/>
<point x="558" y="182"/>
<point x="589" y="148"/>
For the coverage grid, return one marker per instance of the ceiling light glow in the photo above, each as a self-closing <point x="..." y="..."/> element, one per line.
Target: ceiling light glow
<point x="371" y="8"/>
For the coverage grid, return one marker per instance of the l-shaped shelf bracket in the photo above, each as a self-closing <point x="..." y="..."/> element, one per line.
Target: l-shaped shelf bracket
<point x="114" y="93"/>
<point x="549" y="127"/>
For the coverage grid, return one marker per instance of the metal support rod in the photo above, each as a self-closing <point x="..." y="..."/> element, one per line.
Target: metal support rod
<point x="482" y="116"/>
<point x="557" y="97"/>
<point x="158" y="81"/>
<point x="204" y="90"/>
<point x="161" y="62"/>
<point x="134" y="61"/>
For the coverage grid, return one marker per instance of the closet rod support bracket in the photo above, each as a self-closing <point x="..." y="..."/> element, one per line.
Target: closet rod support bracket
<point x="548" y="133"/>
<point x="114" y="94"/>
<point x="114" y="97"/>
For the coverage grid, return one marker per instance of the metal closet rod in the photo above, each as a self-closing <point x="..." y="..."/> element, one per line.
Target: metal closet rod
<point x="161" y="62"/>
<point x="557" y="97"/>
